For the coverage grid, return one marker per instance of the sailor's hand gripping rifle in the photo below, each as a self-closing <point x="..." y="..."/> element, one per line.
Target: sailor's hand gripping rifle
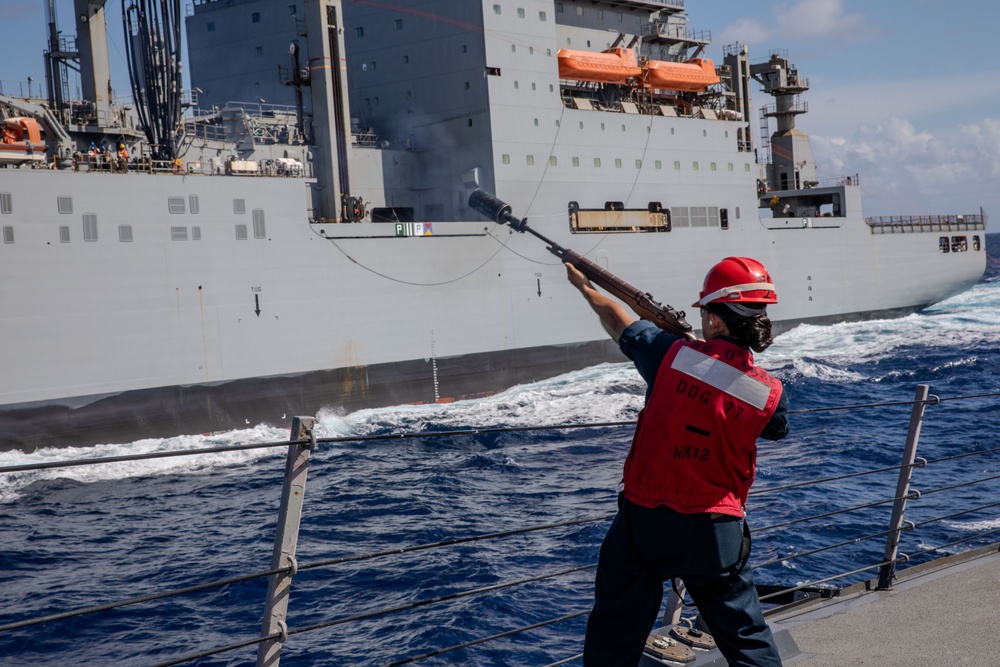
<point x="644" y="305"/>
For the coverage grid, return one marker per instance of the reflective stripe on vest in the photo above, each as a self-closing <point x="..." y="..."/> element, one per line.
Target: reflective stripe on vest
<point x="722" y="376"/>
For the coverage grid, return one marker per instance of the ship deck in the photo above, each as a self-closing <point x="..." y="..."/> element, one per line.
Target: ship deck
<point x="941" y="613"/>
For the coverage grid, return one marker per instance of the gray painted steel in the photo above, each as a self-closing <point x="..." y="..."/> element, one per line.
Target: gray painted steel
<point x="139" y="304"/>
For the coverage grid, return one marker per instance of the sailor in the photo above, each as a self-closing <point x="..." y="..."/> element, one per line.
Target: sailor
<point x="689" y="470"/>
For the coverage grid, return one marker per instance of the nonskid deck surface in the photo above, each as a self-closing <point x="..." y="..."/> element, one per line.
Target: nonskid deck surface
<point x="942" y="617"/>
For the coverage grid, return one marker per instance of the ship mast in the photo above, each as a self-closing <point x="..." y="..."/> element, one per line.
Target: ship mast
<point x="92" y="45"/>
<point x="331" y="130"/>
<point x="792" y="165"/>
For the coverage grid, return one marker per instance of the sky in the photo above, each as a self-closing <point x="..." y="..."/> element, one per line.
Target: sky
<point x="903" y="93"/>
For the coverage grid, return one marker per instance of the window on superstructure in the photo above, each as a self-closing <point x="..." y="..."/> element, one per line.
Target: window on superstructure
<point x="258" y="51"/>
<point x="694" y="165"/>
<point x="553" y="162"/>
<point x="465" y="48"/>
<point x="746" y="166"/>
<point x="730" y="166"/>
<point x="6" y="203"/>
<point x="579" y="11"/>
<point x="8" y="234"/>
<point x="943" y="245"/>
<point x="89" y="227"/>
<point x="677" y="165"/>
<point x="239" y="206"/>
<point x="621" y="17"/>
<point x="520" y="12"/>
<point x="597" y="162"/>
<point x="193" y="204"/>
<point x="618" y="163"/>
<point x="505" y="158"/>
<point x="576" y="162"/>
<point x="292" y="9"/>
<point x="496" y="9"/>
<point x="737" y="212"/>
<point x="541" y="16"/>
<point x="375" y="100"/>
<point x="536" y="122"/>
<point x="602" y="127"/>
<point x="724" y="218"/>
<point x="63" y="233"/>
<point x="359" y="31"/>
<point x="533" y="86"/>
<point x="175" y="205"/>
<point x="638" y="164"/>
<point x="581" y="124"/>
<point x="516" y="85"/>
<point x="513" y="48"/>
<point x="64" y="204"/>
<point x="406" y="59"/>
<point x="255" y="17"/>
<point x="959" y="244"/>
<point x="210" y="26"/>
<point x="178" y="233"/>
<point x="531" y="160"/>
<point x="699" y="216"/>
<point x="711" y="166"/>
<point x="559" y="8"/>
<point x="531" y="50"/>
<point x="658" y="164"/>
<point x="976" y="245"/>
<point x="241" y="232"/>
<point x="196" y="233"/>
<point x="398" y="24"/>
<point x="679" y="216"/>
<point x="259" y="231"/>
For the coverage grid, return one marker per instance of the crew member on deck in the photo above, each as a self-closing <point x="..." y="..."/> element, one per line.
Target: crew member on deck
<point x="689" y="470"/>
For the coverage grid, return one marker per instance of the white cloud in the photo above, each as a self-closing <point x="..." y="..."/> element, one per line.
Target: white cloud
<point x="802" y="20"/>
<point x="906" y="170"/>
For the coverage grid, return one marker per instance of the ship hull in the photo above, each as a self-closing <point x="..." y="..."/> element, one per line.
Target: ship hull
<point x="112" y="340"/>
<point x="273" y="400"/>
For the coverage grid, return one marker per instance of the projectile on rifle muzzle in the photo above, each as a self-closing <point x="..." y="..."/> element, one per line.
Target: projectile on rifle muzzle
<point x="492" y="208"/>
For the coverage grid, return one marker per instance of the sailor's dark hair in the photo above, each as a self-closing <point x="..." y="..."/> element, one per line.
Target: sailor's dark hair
<point x="750" y="326"/>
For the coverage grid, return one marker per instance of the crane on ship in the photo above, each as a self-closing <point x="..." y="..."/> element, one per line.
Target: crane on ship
<point x="153" y="52"/>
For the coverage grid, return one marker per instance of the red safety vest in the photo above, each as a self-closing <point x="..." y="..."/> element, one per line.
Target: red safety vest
<point x="695" y="445"/>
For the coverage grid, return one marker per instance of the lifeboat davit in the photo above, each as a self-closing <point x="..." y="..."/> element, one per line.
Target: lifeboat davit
<point x="692" y="76"/>
<point x="616" y="65"/>
<point x="21" y="141"/>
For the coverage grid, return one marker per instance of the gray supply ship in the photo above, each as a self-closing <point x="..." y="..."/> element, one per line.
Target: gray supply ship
<point x="187" y="264"/>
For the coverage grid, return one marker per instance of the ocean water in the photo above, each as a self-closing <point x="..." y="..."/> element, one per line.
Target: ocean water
<point x="84" y="536"/>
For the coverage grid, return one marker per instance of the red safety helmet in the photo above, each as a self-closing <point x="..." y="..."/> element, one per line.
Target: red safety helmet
<point x="737" y="280"/>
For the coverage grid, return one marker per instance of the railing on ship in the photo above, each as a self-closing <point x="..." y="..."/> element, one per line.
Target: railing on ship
<point x="934" y="474"/>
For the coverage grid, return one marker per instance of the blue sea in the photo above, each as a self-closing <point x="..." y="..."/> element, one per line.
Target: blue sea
<point x="84" y="536"/>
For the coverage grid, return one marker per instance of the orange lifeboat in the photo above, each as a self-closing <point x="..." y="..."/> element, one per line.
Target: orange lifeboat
<point x="616" y="65"/>
<point x="693" y="76"/>
<point x="21" y="141"/>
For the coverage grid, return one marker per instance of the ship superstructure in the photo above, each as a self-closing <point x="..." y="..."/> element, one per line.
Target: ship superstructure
<point x="322" y="253"/>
